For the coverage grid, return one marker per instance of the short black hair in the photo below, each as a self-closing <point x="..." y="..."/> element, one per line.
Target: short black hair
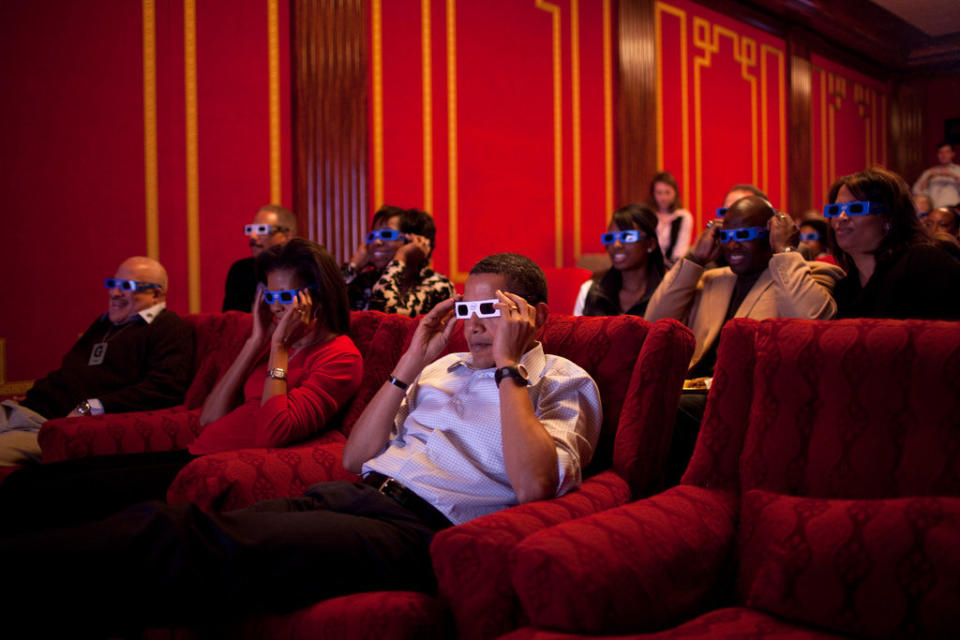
<point x="945" y="143"/>
<point x="314" y="267"/>
<point x="747" y="187"/>
<point x="524" y="277"/>
<point x="819" y="225"/>
<point x="285" y="217"/>
<point x="384" y="213"/>
<point x="409" y="221"/>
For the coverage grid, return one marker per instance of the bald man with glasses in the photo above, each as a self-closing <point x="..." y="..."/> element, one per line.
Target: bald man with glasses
<point x="135" y="357"/>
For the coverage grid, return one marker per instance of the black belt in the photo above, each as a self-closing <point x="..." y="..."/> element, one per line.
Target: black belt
<point x="407" y="499"/>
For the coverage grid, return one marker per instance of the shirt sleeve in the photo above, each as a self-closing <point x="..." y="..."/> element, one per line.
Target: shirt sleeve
<point x="582" y="297"/>
<point x="330" y="381"/>
<point x="569" y="410"/>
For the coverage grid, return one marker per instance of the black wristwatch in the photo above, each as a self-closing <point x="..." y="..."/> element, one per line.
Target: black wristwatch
<point x="518" y="373"/>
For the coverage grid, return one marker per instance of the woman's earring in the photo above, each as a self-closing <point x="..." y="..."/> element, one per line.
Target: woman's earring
<point x="886" y="226"/>
<point x="650" y="250"/>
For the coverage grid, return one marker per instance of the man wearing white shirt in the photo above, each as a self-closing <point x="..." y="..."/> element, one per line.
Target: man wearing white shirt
<point x="442" y="441"/>
<point x="942" y="182"/>
<point x="135" y="357"/>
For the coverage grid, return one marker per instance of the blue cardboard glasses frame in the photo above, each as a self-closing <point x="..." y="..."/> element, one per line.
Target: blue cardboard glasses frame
<point x="283" y="296"/>
<point x="129" y="285"/>
<point x="625" y="237"/>
<point x="859" y="208"/>
<point x="811" y="236"/>
<point x="384" y="235"/>
<point x="743" y="235"/>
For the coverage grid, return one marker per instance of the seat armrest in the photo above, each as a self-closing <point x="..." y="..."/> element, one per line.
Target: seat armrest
<point x="471" y="560"/>
<point x="638" y="567"/>
<point x="114" y="433"/>
<point x="236" y="479"/>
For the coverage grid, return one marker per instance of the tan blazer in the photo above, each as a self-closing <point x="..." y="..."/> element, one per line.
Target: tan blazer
<point x="790" y="287"/>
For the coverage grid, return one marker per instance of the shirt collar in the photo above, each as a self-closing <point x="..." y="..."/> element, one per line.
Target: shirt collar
<point x="148" y="315"/>
<point x="534" y="361"/>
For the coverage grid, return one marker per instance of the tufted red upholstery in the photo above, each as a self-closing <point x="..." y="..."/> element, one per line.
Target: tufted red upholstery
<point x="638" y="368"/>
<point x="849" y="418"/>
<point x="234" y="479"/>
<point x="220" y="337"/>
<point x="362" y="616"/>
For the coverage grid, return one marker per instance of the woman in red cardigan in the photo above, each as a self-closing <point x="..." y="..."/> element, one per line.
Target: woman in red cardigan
<point x="293" y="374"/>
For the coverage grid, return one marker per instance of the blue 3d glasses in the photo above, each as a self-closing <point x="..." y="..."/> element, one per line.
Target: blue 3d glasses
<point x="129" y="285"/>
<point x="625" y="237"/>
<point x="859" y="208"/>
<point x="743" y="235"/>
<point x="483" y="309"/>
<point x="384" y="235"/>
<point x="811" y="236"/>
<point x="283" y="296"/>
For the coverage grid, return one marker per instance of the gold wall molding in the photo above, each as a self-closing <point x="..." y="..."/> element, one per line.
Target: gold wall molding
<point x="193" y="154"/>
<point x="273" y="63"/>
<point x="151" y="188"/>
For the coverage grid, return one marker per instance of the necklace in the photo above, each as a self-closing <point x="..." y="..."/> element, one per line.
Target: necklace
<point x="99" y="351"/>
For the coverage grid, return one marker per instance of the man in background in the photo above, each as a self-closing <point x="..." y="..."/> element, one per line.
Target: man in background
<point x="942" y="182"/>
<point x="273" y="225"/>
<point x="135" y="357"/>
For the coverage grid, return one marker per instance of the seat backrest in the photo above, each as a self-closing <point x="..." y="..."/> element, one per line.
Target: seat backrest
<point x="854" y="409"/>
<point x="638" y="368"/>
<point x="220" y="337"/>
<point x="381" y="349"/>
<point x="564" y="284"/>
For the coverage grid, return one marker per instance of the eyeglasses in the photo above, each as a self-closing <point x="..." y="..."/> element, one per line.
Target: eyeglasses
<point x="284" y="296"/>
<point x="261" y="229"/>
<point x="129" y="285"/>
<point x="383" y="235"/>
<point x="811" y="236"/>
<point x="721" y="211"/>
<point x="860" y="208"/>
<point x="483" y="309"/>
<point x="625" y="237"/>
<point x="743" y="235"/>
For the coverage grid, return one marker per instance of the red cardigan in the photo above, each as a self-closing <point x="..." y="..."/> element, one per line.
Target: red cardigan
<point x="320" y="380"/>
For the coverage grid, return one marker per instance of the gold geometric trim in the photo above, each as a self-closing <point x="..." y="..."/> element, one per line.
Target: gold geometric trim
<point x="273" y="53"/>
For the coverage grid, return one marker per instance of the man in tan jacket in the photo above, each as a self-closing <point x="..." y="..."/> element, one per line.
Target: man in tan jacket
<point x="767" y="278"/>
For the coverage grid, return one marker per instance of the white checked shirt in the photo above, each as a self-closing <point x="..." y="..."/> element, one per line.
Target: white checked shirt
<point x="447" y="446"/>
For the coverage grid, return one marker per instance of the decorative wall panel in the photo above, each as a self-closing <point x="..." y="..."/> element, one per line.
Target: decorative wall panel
<point x="721" y="106"/>
<point x="497" y="117"/>
<point x="849" y="124"/>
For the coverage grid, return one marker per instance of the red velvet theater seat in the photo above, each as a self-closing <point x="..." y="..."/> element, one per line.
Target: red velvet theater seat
<point x="639" y="368"/>
<point x="234" y="479"/>
<point x="219" y="340"/>
<point x="822" y="498"/>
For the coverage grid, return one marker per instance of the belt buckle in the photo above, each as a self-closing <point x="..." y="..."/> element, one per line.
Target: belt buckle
<point x="386" y="485"/>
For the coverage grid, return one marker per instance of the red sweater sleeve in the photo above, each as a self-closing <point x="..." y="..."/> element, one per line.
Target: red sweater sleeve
<point x="331" y="376"/>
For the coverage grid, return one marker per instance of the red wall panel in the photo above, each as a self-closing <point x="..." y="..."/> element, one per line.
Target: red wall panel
<point x="721" y="93"/>
<point x="850" y="116"/>
<point x="491" y="116"/>
<point x="77" y="142"/>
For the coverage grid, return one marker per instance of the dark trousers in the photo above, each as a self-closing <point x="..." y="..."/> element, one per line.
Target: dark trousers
<point x="685" y="431"/>
<point x="59" y="494"/>
<point x="162" y="565"/>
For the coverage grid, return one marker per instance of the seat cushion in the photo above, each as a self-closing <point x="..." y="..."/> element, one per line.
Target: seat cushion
<point x="873" y="568"/>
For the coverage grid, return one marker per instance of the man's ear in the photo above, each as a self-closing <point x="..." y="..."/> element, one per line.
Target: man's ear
<point x="542" y="312"/>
